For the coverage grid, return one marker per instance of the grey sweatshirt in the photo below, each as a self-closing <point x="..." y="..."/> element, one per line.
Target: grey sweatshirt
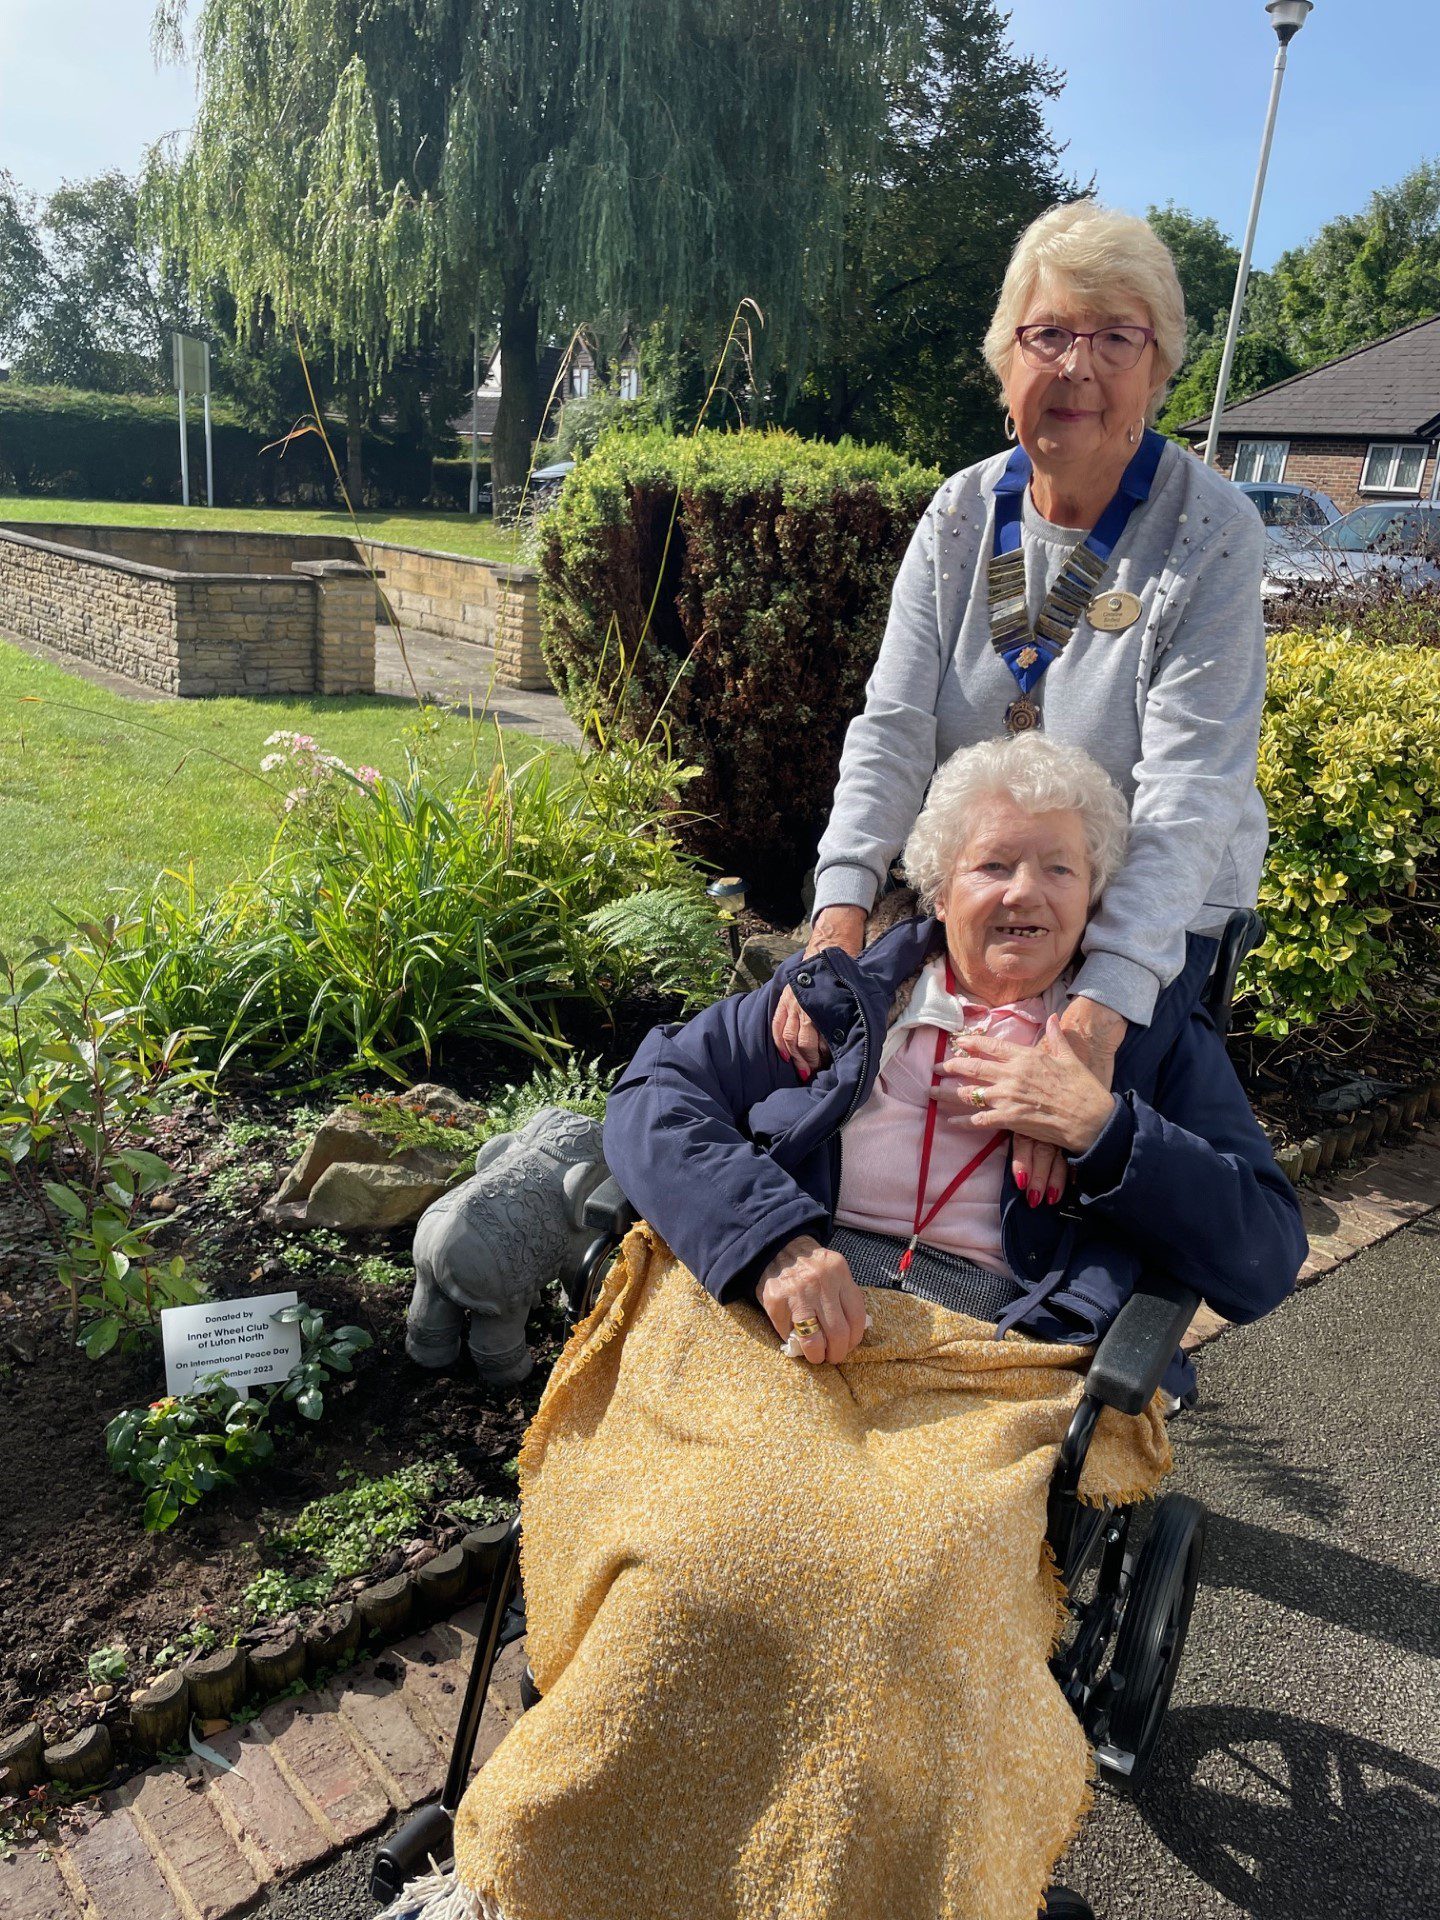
<point x="1170" y="707"/>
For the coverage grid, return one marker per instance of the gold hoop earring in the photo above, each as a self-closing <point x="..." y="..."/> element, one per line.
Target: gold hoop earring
<point x="1010" y="433"/>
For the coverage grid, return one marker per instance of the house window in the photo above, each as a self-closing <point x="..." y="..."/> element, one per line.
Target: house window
<point x="1261" y="460"/>
<point x="580" y="382"/>
<point x="1393" y="469"/>
<point x="630" y="383"/>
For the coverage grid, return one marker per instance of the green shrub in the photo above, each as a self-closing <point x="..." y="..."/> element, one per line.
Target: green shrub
<point x="420" y="911"/>
<point x="107" y="446"/>
<point x="1350" y="770"/>
<point x="84" y="1072"/>
<point x="734" y="588"/>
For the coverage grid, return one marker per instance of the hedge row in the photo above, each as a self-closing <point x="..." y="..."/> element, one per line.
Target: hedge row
<point x="100" y="446"/>
<point x="1350" y="771"/>
<point x="771" y="602"/>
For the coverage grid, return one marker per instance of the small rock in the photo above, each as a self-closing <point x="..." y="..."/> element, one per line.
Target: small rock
<point x="163" y="1203"/>
<point x="21" y="1346"/>
<point x="103" y="1692"/>
<point x="208" y="1728"/>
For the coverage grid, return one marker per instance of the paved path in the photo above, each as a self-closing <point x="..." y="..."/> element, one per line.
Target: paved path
<point x="1299" y="1773"/>
<point x="456" y="673"/>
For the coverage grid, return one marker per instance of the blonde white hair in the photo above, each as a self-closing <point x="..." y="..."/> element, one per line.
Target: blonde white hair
<point x="1041" y="776"/>
<point x="1100" y="257"/>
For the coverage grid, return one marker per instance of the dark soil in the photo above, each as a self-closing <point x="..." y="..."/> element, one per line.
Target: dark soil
<point x="77" y="1571"/>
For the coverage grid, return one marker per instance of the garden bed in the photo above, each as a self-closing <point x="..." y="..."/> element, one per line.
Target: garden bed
<point x="78" y="1574"/>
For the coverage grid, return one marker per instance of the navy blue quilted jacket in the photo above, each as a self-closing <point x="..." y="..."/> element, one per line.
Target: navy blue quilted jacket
<point x="716" y="1142"/>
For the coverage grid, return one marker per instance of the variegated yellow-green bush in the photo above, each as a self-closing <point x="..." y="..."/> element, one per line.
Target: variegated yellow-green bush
<point x="1350" y="771"/>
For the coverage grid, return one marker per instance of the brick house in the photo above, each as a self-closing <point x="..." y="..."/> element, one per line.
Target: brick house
<point x="1360" y="427"/>
<point x="479" y="416"/>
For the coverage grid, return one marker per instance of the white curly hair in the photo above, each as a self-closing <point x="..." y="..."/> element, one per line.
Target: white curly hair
<point x="1039" y="774"/>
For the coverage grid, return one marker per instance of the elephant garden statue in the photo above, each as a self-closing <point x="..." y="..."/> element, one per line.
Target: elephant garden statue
<point x="484" y="1250"/>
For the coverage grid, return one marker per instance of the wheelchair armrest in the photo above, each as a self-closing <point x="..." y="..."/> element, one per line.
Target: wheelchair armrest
<point x="1131" y="1360"/>
<point x="608" y="1208"/>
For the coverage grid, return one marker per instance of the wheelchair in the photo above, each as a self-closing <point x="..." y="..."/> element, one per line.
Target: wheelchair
<point x="1129" y="1600"/>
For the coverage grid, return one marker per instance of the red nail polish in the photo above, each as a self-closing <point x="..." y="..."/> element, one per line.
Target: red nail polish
<point x="804" y="1072"/>
<point x="1022" y="1178"/>
<point x="785" y="1056"/>
<point x="1053" y="1195"/>
<point x="1034" y="1197"/>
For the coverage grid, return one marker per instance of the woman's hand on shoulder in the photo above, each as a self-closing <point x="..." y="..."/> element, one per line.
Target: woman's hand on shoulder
<point x="795" y="1034"/>
<point x="807" y="1281"/>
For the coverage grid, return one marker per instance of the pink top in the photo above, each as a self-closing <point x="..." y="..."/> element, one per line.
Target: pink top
<point x="880" y="1148"/>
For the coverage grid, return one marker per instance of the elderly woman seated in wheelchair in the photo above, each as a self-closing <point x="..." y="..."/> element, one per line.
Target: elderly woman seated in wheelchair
<point x="824" y="1520"/>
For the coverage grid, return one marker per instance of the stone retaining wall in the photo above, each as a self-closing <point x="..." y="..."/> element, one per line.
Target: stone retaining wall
<point x="198" y="612"/>
<point x="308" y="630"/>
<point x="461" y="598"/>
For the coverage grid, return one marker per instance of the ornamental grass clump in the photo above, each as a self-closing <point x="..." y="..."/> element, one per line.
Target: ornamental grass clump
<point x="400" y="914"/>
<point x="729" y="590"/>
<point x="1350" y="771"/>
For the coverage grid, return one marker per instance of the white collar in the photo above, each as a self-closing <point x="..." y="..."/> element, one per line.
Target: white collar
<point x="931" y="1006"/>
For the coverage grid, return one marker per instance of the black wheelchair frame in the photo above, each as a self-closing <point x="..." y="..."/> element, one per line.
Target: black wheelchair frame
<point x="1129" y="1604"/>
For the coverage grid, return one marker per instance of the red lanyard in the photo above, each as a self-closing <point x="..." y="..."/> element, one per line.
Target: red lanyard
<point x="922" y="1217"/>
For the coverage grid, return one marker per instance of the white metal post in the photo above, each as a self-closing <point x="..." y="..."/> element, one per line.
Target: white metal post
<point x="475" y="424"/>
<point x="209" y="449"/>
<point x="1232" y="332"/>
<point x="184" y="446"/>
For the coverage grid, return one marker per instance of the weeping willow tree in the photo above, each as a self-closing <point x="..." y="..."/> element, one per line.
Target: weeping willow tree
<point x="377" y="171"/>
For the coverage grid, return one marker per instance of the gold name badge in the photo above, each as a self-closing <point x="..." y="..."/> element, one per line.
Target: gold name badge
<point x="1113" y="612"/>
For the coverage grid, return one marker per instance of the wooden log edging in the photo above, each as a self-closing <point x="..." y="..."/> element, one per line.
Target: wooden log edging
<point x="230" y="1680"/>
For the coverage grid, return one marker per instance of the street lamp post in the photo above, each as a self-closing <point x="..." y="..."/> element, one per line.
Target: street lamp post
<point x="1287" y="17"/>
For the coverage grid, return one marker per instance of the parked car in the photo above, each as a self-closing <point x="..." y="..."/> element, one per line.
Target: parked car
<point x="548" y="480"/>
<point x="1400" y="538"/>
<point x="1293" y="514"/>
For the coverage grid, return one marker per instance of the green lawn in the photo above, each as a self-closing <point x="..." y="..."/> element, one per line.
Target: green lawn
<point x="98" y="793"/>
<point x="447" y="532"/>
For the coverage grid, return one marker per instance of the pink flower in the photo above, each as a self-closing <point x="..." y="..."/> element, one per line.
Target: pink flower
<point x="370" y="775"/>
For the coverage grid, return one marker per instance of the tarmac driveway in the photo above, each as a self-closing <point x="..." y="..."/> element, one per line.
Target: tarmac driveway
<point x="1299" y="1772"/>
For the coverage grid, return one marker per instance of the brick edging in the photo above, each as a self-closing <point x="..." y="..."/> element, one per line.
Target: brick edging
<point x="308" y="1776"/>
<point x="190" y="1840"/>
<point x="1346" y="1212"/>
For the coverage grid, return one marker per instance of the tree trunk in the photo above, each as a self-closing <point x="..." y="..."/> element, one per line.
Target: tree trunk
<point x="517" y="422"/>
<point x="354" y="445"/>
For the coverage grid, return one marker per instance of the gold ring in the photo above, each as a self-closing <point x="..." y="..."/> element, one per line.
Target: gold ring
<point x="805" y="1328"/>
<point x="977" y="1098"/>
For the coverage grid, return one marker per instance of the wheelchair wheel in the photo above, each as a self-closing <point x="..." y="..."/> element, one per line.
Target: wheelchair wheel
<point x="1062" y="1904"/>
<point x="1152" y="1631"/>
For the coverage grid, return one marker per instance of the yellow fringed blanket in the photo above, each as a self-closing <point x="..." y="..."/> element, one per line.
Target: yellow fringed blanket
<point x="791" y="1623"/>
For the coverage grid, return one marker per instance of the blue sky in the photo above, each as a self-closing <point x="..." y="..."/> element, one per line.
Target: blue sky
<point x="1164" y="99"/>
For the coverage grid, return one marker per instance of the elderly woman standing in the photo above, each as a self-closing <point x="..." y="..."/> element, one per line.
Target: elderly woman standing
<point x="1099" y="582"/>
